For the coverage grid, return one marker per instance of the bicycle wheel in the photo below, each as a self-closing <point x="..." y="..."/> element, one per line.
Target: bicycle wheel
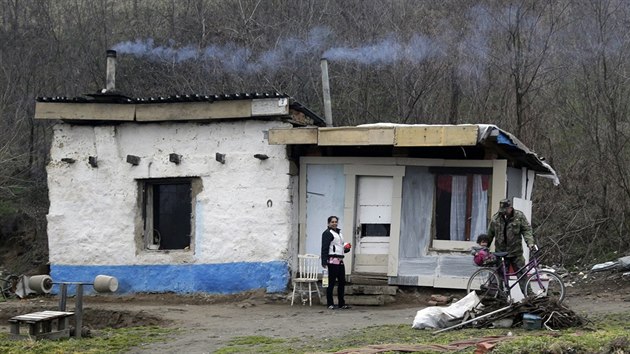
<point x="545" y="283"/>
<point x="8" y="285"/>
<point x="485" y="282"/>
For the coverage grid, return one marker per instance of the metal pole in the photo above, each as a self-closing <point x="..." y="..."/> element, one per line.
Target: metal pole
<point x="326" y="93"/>
<point x="78" y="312"/>
<point x="110" y="82"/>
<point x="473" y="320"/>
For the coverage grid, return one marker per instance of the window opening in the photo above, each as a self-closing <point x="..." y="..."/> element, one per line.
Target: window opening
<point x="375" y="230"/>
<point x="167" y="212"/>
<point x="461" y="205"/>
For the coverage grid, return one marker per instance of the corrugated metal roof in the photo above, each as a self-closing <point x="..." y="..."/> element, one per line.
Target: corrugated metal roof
<point x="113" y="97"/>
<point x="118" y="98"/>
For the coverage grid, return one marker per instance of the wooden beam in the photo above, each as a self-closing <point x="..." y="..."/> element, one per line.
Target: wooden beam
<point x="285" y="136"/>
<point x="353" y="136"/>
<point x="85" y="111"/>
<point x="442" y="135"/>
<point x="181" y="111"/>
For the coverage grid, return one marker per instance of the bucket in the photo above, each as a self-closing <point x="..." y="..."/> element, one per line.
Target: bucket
<point x="531" y="321"/>
<point x="105" y="284"/>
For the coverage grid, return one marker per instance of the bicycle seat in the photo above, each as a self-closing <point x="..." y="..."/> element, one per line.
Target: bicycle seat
<point x="500" y="254"/>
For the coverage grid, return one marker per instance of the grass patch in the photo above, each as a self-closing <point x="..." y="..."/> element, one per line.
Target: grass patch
<point x="104" y="341"/>
<point x="605" y="334"/>
<point x="254" y="344"/>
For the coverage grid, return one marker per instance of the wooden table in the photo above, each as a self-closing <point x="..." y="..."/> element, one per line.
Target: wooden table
<point x="41" y="325"/>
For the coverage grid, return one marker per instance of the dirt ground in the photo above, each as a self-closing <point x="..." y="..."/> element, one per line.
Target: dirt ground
<point x="210" y="321"/>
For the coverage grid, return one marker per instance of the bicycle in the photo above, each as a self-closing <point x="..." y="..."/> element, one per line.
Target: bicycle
<point x="493" y="282"/>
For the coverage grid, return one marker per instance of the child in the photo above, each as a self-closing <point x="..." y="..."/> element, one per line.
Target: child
<point x="482" y="253"/>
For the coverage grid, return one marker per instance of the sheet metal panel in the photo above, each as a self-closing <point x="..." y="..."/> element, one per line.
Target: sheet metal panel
<point x="325" y="194"/>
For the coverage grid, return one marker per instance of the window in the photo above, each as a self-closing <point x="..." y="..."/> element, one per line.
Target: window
<point x="167" y="213"/>
<point x="461" y="203"/>
<point x="378" y="230"/>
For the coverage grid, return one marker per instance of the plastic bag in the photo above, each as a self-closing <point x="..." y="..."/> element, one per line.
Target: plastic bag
<point x="439" y="317"/>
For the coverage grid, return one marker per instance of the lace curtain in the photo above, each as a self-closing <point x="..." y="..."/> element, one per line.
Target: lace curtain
<point x="478" y="223"/>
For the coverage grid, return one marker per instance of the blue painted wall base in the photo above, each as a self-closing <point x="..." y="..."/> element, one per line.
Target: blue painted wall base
<point x="224" y="278"/>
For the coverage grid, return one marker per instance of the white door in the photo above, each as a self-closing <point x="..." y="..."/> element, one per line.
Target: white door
<point x="373" y="223"/>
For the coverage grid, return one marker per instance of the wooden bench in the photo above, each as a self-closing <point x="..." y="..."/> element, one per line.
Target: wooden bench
<point x="40" y="325"/>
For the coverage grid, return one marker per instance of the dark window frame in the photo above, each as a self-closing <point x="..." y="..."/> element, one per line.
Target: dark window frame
<point x="441" y="223"/>
<point x="167" y="213"/>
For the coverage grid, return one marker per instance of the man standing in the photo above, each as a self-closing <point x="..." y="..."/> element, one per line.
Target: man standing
<point x="506" y="227"/>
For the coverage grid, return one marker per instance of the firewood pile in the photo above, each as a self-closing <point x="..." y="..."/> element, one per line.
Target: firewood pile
<point x="554" y="316"/>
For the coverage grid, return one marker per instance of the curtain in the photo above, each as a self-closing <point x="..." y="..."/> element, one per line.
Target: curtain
<point x="479" y="218"/>
<point x="478" y="223"/>
<point x="458" y="209"/>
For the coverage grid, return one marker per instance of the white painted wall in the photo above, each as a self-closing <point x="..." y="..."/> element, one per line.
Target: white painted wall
<point x="94" y="213"/>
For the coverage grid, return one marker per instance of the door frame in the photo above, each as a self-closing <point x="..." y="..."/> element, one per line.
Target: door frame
<point x="352" y="173"/>
<point x="374" y="260"/>
<point x="353" y="166"/>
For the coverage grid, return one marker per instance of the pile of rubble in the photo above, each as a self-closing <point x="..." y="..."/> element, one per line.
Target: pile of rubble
<point x="471" y="311"/>
<point x="553" y="315"/>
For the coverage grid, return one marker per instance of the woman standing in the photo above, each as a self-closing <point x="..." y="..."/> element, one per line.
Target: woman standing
<point x="332" y="259"/>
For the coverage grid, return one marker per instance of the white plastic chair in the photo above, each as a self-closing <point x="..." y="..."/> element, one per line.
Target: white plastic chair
<point x="308" y="270"/>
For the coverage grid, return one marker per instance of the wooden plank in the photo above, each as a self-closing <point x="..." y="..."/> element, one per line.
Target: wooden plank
<point x="352" y="136"/>
<point x="85" y="111"/>
<point x="363" y="300"/>
<point x="285" y="136"/>
<point x="371" y="259"/>
<point x="41" y="315"/>
<point x="453" y="245"/>
<point x="442" y="135"/>
<point x="182" y="111"/>
<point x="371" y="290"/>
<point x="368" y="279"/>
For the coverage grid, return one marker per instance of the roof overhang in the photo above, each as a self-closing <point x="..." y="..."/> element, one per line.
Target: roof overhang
<point x="379" y="134"/>
<point x="118" y="108"/>
<point x="488" y="136"/>
<point x="157" y="112"/>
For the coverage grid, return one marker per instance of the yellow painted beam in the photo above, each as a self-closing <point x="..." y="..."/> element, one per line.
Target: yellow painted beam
<point x="285" y="136"/>
<point x="345" y="136"/>
<point x="155" y="112"/>
<point x="441" y="135"/>
<point x="85" y="111"/>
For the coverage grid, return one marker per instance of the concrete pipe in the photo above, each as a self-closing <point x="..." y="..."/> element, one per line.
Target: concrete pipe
<point x="105" y="284"/>
<point x="40" y="283"/>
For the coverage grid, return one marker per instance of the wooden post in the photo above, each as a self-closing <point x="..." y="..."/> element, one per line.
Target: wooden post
<point x="63" y="297"/>
<point x="78" y="312"/>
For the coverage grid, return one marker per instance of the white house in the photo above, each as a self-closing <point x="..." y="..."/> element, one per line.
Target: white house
<point x="411" y="198"/>
<point x="220" y="193"/>
<point x="178" y="194"/>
